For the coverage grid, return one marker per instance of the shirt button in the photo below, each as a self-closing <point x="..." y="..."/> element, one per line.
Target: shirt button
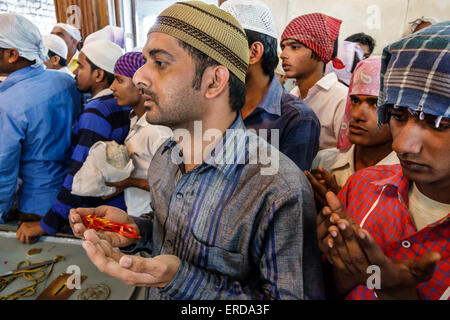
<point x="406" y="244"/>
<point x="179" y="195"/>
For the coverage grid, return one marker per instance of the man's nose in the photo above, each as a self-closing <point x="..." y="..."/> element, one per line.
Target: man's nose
<point x="408" y="138"/>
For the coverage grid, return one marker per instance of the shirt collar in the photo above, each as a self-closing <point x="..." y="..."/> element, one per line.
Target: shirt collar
<point x="20" y="75"/>
<point x="345" y="158"/>
<point x="235" y="141"/>
<point x="328" y="81"/>
<point x="103" y="93"/>
<point x="271" y="102"/>
<point x="396" y="180"/>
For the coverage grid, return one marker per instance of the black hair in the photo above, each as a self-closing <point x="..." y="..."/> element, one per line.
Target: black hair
<point x="62" y="61"/>
<point x="202" y="61"/>
<point x="270" y="55"/>
<point x="109" y="76"/>
<point x="363" y="39"/>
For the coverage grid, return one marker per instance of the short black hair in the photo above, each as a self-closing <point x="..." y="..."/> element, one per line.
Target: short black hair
<point x="202" y="61"/>
<point x="270" y="56"/>
<point x="62" y="61"/>
<point x="363" y="39"/>
<point x="109" y="76"/>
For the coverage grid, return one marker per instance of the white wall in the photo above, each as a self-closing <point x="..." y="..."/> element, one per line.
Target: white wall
<point x="384" y="20"/>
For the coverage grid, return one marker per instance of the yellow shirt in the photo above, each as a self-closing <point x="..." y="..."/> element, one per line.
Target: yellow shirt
<point x="73" y="64"/>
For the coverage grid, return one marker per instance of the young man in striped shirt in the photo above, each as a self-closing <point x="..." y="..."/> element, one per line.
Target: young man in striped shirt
<point x="102" y="119"/>
<point x="219" y="229"/>
<point x="387" y="233"/>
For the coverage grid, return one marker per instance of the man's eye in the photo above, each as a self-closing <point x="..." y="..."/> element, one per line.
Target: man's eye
<point x="399" y="116"/>
<point x="160" y="64"/>
<point x="354" y="100"/>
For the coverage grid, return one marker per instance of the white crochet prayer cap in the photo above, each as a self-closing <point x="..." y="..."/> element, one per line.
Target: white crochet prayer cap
<point x="74" y="32"/>
<point x="56" y="44"/>
<point x="17" y="32"/>
<point x="103" y="53"/>
<point x="253" y="15"/>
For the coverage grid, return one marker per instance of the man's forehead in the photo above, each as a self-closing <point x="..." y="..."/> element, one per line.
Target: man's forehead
<point x="161" y="41"/>
<point x="59" y="30"/>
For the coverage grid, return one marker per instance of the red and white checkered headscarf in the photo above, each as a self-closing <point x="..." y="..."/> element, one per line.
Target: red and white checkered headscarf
<point x="318" y="32"/>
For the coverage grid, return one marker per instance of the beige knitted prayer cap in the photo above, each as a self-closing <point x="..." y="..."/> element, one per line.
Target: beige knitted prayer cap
<point x="210" y="30"/>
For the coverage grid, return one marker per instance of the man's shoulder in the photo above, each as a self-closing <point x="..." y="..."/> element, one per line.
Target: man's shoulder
<point x="375" y="173"/>
<point x="294" y="107"/>
<point x="277" y="170"/>
<point x="107" y="105"/>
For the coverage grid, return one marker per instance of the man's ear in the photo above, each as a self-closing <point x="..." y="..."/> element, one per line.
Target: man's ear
<point x="13" y="56"/>
<point x="99" y="75"/>
<point x="215" y="80"/>
<point x="256" y="52"/>
<point x="55" y="60"/>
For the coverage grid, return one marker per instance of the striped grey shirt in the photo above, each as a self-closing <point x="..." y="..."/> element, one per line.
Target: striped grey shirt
<point x="239" y="234"/>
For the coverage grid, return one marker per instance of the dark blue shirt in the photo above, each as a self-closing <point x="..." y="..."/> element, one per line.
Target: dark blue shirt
<point x="101" y="120"/>
<point x="298" y="125"/>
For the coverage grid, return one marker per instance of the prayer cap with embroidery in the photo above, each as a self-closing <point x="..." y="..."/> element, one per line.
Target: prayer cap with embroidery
<point x="210" y="30"/>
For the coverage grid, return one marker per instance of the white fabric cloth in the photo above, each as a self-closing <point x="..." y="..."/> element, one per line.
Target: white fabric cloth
<point x="342" y="164"/>
<point x="346" y="52"/>
<point x="56" y="44"/>
<point x="103" y="53"/>
<point x="111" y="33"/>
<point x="74" y="32"/>
<point x="17" y="32"/>
<point x="66" y="70"/>
<point x="90" y="180"/>
<point x="104" y="92"/>
<point x="253" y="15"/>
<point x="424" y="210"/>
<point x="417" y="22"/>
<point x="327" y="98"/>
<point x="2" y="78"/>
<point x="143" y="141"/>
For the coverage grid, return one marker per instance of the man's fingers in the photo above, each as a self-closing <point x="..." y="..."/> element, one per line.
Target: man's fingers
<point x="335" y="204"/>
<point x="424" y="268"/>
<point x="317" y="186"/>
<point x="342" y="250"/>
<point x="374" y="254"/>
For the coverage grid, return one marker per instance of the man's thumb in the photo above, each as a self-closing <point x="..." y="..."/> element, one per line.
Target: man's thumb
<point x="133" y="263"/>
<point x="424" y="268"/>
<point x="335" y="204"/>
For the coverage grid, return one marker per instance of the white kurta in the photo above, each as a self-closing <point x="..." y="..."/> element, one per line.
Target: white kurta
<point x="143" y="141"/>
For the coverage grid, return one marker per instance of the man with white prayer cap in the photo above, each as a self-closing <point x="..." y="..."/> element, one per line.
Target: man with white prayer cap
<point x="71" y="37"/>
<point x="57" y="53"/>
<point x="267" y="105"/>
<point x="37" y="110"/>
<point x="101" y="119"/>
<point x="111" y="33"/>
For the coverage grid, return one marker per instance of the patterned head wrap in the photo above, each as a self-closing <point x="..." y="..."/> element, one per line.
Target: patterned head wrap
<point x="365" y="81"/>
<point x="129" y="63"/>
<point x="210" y="30"/>
<point x="415" y="73"/>
<point x="318" y="32"/>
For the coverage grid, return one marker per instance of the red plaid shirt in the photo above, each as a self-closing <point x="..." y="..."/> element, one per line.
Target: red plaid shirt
<point x="377" y="198"/>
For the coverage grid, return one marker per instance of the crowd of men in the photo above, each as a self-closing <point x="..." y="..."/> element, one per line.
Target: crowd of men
<point x="360" y="147"/>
